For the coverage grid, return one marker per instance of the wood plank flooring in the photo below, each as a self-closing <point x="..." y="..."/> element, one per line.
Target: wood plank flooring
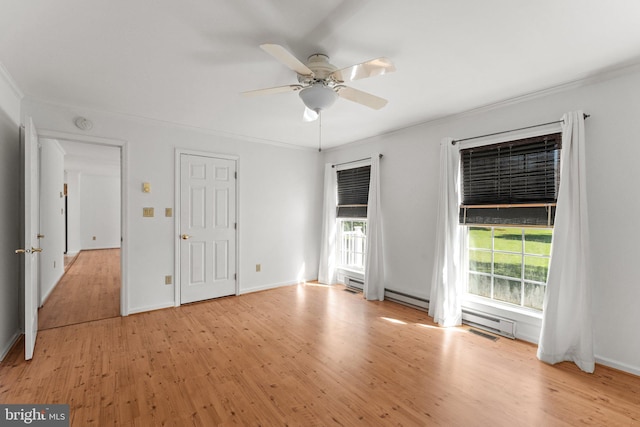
<point x="89" y="290"/>
<point x="306" y="355"/>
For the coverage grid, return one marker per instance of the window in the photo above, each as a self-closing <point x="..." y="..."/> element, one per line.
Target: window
<point x="509" y="264"/>
<point x="352" y="243"/>
<point x="508" y="207"/>
<point x="353" y="197"/>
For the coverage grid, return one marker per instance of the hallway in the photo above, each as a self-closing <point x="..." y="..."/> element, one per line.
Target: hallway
<point x="89" y="290"/>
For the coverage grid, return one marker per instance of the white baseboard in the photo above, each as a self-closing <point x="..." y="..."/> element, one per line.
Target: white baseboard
<point x="150" y="308"/>
<point x="272" y="286"/>
<point x="9" y="344"/>
<point x="634" y="370"/>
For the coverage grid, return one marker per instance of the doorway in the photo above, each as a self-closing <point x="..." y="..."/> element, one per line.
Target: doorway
<point x="91" y="286"/>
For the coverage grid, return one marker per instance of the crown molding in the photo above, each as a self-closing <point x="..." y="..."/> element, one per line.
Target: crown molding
<point x="148" y="120"/>
<point x="10" y="82"/>
<point x="603" y="75"/>
<point x="10" y="95"/>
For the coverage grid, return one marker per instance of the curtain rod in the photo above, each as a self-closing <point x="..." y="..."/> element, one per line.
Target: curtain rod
<point x="511" y="130"/>
<point x="353" y="161"/>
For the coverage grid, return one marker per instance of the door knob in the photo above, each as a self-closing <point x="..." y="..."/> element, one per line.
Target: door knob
<point x="185" y="237"/>
<point x="40" y="236"/>
<point x="23" y="251"/>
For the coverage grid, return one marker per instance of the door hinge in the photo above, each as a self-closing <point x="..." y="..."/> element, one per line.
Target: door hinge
<point x="235" y="276"/>
<point x="235" y="175"/>
<point x="235" y="225"/>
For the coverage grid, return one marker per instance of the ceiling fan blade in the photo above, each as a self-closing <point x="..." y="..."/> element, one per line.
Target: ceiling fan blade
<point x="277" y="89"/>
<point x="375" y="67"/>
<point x="287" y="58"/>
<point x="309" y="115"/>
<point x="361" y="97"/>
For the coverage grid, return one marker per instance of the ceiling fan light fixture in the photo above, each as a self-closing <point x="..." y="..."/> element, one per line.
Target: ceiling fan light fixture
<point x="318" y="97"/>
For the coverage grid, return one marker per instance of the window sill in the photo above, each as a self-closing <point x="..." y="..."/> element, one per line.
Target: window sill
<point x="475" y="302"/>
<point x="358" y="274"/>
<point x="528" y="322"/>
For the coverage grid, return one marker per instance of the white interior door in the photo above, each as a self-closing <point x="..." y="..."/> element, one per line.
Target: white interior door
<point x="207" y="227"/>
<point x="30" y="249"/>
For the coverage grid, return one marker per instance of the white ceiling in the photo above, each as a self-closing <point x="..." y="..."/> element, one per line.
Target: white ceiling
<point x="187" y="61"/>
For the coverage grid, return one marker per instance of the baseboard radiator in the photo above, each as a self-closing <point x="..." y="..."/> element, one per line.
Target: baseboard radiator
<point x="354" y="283"/>
<point x="484" y="321"/>
<point x="490" y="323"/>
<point x="409" y="300"/>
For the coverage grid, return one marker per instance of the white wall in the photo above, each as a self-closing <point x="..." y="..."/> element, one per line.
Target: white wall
<point x="99" y="201"/>
<point x="10" y="238"/>
<point x="72" y="179"/>
<point x="613" y="145"/>
<point x="279" y="204"/>
<point x="51" y="216"/>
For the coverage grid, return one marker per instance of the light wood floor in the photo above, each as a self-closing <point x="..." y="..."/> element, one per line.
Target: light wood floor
<point x="306" y="355"/>
<point x="89" y="290"/>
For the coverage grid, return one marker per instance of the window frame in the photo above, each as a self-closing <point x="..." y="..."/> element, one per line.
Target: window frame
<point x="529" y="321"/>
<point x="342" y="268"/>
<point x="339" y="239"/>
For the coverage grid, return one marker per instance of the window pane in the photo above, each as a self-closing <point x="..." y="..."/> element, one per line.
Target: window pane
<point x="509" y="265"/>
<point x="351" y="242"/>
<point x="533" y="295"/>
<point x="538" y="242"/>
<point x="536" y="268"/>
<point x="480" y="237"/>
<point x="480" y="285"/>
<point x="507" y="290"/>
<point x="480" y="261"/>
<point x="508" y="239"/>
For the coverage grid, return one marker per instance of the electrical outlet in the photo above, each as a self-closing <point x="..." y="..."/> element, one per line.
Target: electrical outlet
<point x="258" y="268"/>
<point x="168" y="212"/>
<point x="168" y="280"/>
<point x="147" y="212"/>
<point x="94" y="238"/>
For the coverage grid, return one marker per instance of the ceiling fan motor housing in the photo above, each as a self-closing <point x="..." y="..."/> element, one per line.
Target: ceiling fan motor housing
<point x="319" y="64"/>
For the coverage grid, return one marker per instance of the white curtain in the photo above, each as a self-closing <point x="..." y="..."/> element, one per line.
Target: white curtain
<point x="327" y="267"/>
<point x="446" y="285"/>
<point x="566" y="333"/>
<point x="374" y="262"/>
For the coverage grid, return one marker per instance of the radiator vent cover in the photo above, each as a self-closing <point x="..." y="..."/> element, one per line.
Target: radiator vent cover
<point x="355" y="283"/>
<point x="405" y="299"/>
<point x="497" y="325"/>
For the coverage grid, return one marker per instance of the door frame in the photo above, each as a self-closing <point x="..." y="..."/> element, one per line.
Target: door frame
<point x="124" y="241"/>
<point x="176" y="218"/>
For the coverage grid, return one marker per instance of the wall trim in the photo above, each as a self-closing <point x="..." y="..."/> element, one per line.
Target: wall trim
<point x="146" y="308"/>
<point x="610" y="363"/>
<point x="604" y="75"/>
<point x="149" y="120"/>
<point x="274" y="285"/>
<point x="10" y="95"/>
<point x="6" y="348"/>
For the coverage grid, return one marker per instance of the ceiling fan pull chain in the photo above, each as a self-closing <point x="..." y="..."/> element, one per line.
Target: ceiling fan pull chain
<point x="319" y="131"/>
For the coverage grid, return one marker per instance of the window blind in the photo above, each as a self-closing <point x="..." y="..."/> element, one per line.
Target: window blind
<point x="353" y="192"/>
<point x="511" y="183"/>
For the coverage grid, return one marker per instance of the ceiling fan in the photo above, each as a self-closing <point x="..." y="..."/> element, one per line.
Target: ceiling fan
<point x="321" y="83"/>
